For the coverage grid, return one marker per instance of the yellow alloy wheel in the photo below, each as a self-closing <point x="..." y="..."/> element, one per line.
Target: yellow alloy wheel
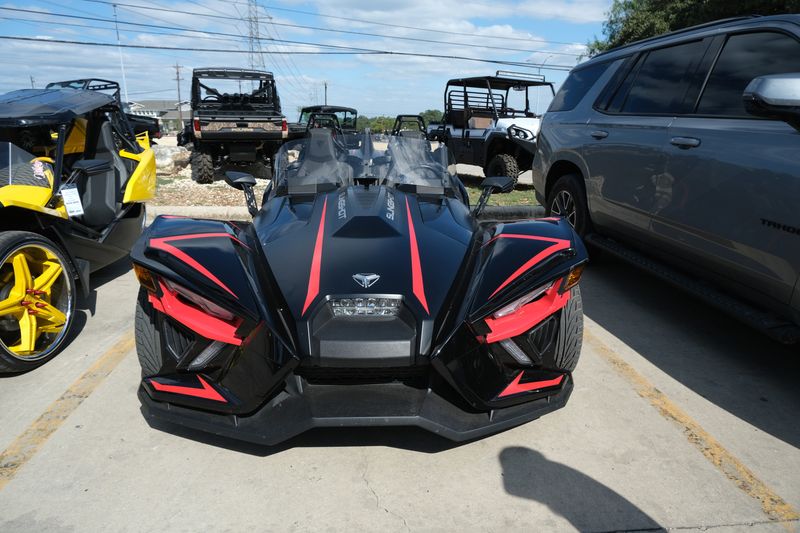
<point x="35" y="301"/>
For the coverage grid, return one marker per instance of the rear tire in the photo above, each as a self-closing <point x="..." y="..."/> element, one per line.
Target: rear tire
<point x="503" y="165"/>
<point x="568" y="199"/>
<point x="570" y="332"/>
<point x="42" y="301"/>
<point x="148" y="336"/>
<point x="202" y="168"/>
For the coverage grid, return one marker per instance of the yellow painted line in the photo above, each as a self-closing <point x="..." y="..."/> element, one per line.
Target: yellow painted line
<point x="31" y="440"/>
<point x="773" y="505"/>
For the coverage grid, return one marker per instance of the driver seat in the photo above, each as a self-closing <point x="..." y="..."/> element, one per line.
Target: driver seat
<point x="100" y="193"/>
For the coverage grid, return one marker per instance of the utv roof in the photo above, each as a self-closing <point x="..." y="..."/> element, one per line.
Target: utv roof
<point x="33" y="107"/>
<point x="239" y="73"/>
<point x="503" y="81"/>
<point x="327" y="109"/>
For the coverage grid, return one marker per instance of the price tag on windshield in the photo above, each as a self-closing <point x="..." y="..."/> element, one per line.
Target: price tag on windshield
<point x="72" y="200"/>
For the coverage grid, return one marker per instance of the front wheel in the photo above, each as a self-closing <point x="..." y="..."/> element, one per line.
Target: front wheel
<point x="568" y="200"/>
<point x="570" y="333"/>
<point x="503" y="165"/>
<point x="37" y="300"/>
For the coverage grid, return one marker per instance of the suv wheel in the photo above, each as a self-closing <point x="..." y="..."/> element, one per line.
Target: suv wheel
<point x="568" y="200"/>
<point x="202" y="167"/>
<point x="503" y="165"/>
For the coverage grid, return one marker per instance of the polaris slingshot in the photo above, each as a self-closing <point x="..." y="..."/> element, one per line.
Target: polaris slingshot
<point x="365" y="292"/>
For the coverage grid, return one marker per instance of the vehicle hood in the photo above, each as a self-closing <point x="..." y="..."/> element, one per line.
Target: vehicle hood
<point x="315" y="245"/>
<point x="531" y="124"/>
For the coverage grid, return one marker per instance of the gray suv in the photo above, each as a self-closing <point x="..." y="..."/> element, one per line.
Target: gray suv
<point x="686" y="147"/>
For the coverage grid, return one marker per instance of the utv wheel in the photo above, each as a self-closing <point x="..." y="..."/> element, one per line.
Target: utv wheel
<point x="570" y="332"/>
<point x="148" y="336"/>
<point x="503" y="165"/>
<point x="202" y="167"/>
<point x="37" y="300"/>
<point x="568" y="200"/>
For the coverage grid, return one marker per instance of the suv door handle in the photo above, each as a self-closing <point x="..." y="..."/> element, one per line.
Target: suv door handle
<point x="599" y="134"/>
<point x="685" y="142"/>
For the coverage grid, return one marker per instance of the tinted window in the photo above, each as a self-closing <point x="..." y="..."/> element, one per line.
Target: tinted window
<point x="662" y="80"/>
<point x="743" y="58"/>
<point x="576" y="86"/>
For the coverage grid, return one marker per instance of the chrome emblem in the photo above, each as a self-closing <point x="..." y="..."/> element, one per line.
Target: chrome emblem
<point x="366" y="280"/>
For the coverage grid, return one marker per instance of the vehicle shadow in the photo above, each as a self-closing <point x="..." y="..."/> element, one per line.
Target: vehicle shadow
<point x="737" y="368"/>
<point x="585" y="503"/>
<point x="405" y="438"/>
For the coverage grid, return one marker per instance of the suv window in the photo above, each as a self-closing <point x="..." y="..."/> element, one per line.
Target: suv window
<point x="576" y="86"/>
<point x="744" y="57"/>
<point x="663" y="79"/>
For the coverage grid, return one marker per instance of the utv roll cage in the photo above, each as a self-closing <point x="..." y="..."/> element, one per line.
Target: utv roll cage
<point x="487" y="96"/>
<point x="264" y="95"/>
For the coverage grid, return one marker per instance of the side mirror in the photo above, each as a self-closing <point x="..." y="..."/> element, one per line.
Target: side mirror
<point x="501" y="184"/>
<point x="776" y="96"/>
<point x="239" y="180"/>
<point x="244" y="182"/>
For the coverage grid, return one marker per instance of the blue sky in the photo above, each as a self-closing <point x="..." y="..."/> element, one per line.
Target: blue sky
<point x="550" y="32"/>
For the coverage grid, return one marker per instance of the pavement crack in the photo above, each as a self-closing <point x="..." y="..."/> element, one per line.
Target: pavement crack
<point x="378" y="504"/>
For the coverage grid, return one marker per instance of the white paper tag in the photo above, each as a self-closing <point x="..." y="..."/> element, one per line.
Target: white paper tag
<point x="72" y="200"/>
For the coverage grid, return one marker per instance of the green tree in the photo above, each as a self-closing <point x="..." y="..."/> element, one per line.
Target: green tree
<point x="431" y="115"/>
<point x="632" y="20"/>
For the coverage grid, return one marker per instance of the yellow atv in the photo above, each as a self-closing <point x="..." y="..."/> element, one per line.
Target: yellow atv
<point x="73" y="182"/>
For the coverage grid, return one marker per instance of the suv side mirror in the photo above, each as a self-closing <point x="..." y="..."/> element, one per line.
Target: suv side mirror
<point x="776" y="96"/>
<point x="244" y="182"/>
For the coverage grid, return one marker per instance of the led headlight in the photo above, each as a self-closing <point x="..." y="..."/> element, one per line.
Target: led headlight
<point x="365" y="306"/>
<point x="517" y="304"/>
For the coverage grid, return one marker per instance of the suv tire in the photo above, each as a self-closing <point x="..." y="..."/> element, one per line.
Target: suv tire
<point x="503" y="165"/>
<point x="202" y="167"/>
<point x="567" y="199"/>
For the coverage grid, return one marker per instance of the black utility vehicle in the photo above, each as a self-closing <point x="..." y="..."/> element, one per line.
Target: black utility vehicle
<point x="482" y="128"/>
<point x="236" y="122"/>
<point x="347" y="118"/>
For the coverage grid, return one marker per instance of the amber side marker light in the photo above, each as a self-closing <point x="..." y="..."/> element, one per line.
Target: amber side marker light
<point x="573" y="278"/>
<point x="145" y="278"/>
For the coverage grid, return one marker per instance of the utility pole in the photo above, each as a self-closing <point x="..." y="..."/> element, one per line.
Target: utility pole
<point x="326" y="92"/>
<point x="254" y="37"/>
<point x="32" y="83"/>
<point x="178" y="79"/>
<point x="121" y="62"/>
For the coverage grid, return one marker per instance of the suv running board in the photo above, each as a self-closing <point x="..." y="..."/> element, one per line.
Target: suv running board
<point x="772" y="325"/>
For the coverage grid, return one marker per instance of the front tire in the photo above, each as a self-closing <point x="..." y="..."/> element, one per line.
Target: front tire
<point x="202" y="168"/>
<point x="37" y="300"/>
<point x="570" y="333"/>
<point x="148" y="336"/>
<point x="503" y="165"/>
<point x="567" y="199"/>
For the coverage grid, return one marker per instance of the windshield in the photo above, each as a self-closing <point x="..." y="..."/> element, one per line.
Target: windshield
<point x="326" y="160"/>
<point x="17" y="167"/>
<point x="347" y="120"/>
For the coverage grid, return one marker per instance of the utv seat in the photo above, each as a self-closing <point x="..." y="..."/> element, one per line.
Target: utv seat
<point x="101" y="192"/>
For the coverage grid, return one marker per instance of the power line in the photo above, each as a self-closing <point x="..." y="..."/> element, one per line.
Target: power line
<point x="330" y="30"/>
<point x="417" y="28"/>
<point x="294" y="52"/>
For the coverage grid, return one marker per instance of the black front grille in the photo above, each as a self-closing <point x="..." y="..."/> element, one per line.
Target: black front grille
<point x="329" y="375"/>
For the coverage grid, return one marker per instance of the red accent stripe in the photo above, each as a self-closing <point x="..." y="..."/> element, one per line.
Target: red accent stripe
<point x="417" y="284"/>
<point x="162" y="243"/>
<point x="206" y="391"/>
<point x="193" y="318"/>
<point x="527" y="316"/>
<point x="316" y="262"/>
<point x="556" y="246"/>
<point x="515" y="387"/>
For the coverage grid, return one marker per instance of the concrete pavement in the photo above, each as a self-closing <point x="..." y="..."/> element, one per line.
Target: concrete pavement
<point x="615" y="458"/>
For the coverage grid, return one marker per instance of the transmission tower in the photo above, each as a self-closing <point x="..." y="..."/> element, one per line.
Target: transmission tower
<point x="255" y="54"/>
